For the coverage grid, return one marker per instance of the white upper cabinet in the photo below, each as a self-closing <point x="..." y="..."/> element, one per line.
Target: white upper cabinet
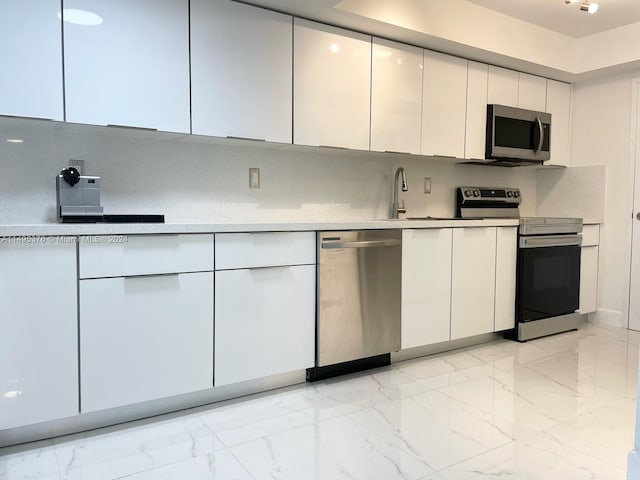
<point x="476" y="125"/>
<point x="331" y="86"/>
<point x="31" y="82"/>
<point x="532" y="92"/>
<point x="131" y="68"/>
<point x="444" y="105"/>
<point x="559" y="106"/>
<point x="241" y="71"/>
<point x="396" y="97"/>
<point x="502" y="88"/>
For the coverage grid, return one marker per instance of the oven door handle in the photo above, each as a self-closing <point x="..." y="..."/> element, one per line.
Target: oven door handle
<point x="550" y="241"/>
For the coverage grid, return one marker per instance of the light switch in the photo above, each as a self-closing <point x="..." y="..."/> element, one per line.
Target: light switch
<point x="254" y="178"/>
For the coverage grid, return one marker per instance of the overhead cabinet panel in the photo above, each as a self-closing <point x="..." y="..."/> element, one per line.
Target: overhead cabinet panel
<point x="502" y="88"/>
<point x="31" y="80"/>
<point x="559" y="106"/>
<point x="532" y="92"/>
<point x="241" y="71"/>
<point x="396" y="97"/>
<point x="128" y="64"/>
<point x="476" y="126"/>
<point x="331" y="86"/>
<point x="444" y="105"/>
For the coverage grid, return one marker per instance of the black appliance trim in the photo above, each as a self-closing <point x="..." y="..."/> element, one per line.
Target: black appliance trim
<point x="322" y="373"/>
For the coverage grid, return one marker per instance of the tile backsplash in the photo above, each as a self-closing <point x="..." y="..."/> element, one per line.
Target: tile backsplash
<point x="195" y="179"/>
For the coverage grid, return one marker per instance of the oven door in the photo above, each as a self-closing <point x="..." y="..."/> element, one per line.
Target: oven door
<point x="548" y="281"/>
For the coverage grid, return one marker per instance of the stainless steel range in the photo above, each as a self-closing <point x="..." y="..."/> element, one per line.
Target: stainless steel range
<point x="548" y="266"/>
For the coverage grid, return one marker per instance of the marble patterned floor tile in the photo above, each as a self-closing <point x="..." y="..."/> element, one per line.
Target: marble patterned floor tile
<point x="334" y="449"/>
<point x="219" y="465"/>
<point x="605" y="433"/>
<point x="116" y="452"/>
<point x="261" y="428"/>
<point x="560" y="407"/>
<point x="433" y="427"/>
<point x="535" y="457"/>
<point x="36" y="461"/>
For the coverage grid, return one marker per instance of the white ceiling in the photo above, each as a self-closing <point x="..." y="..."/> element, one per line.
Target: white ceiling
<point x="568" y="19"/>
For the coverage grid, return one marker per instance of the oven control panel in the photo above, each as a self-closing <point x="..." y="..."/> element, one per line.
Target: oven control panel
<point x="493" y="194"/>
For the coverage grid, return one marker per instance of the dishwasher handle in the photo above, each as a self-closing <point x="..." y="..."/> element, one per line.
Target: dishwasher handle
<point x="392" y="242"/>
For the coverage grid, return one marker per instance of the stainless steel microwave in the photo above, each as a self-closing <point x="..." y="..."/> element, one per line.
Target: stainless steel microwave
<point x="518" y="136"/>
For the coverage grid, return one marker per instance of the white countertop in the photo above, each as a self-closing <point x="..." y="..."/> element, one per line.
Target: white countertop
<point x="54" y="229"/>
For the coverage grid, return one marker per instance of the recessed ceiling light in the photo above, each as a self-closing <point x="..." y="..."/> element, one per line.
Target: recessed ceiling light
<point x="80" y="17"/>
<point x="15" y="140"/>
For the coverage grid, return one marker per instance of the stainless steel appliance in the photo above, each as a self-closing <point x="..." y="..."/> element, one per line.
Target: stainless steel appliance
<point x="548" y="276"/>
<point x="548" y="264"/>
<point x="77" y="196"/>
<point x="516" y="136"/>
<point x="358" y="319"/>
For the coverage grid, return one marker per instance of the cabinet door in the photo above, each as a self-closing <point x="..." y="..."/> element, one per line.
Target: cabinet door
<point x="426" y="286"/>
<point x="472" y="281"/>
<point x="588" y="279"/>
<point x="559" y="106"/>
<point x="265" y="322"/>
<point x="241" y="71"/>
<point x="39" y="331"/>
<point x="133" y="68"/>
<point x="331" y="86"/>
<point x="444" y="105"/>
<point x="31" y="82"/>
<point x="506" y="257"/>
<point x="476" y="129"/>
<point x="532" y="92"/>
<point x="143" y="338"/>
<point x="502" y="88"/>
<point x="396" y="97"/>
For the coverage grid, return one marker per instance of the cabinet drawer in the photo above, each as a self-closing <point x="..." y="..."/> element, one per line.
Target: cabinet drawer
<point x="265" y="322"/>
<point x="144" y="338"/>
<point x="590" y="235"/>
<point x="127" y="255"/>
<point x="251" y="250"/>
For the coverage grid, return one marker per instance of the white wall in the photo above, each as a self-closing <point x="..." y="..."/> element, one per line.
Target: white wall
<point x="193" y="179"/>
<point x="601" y="135"/>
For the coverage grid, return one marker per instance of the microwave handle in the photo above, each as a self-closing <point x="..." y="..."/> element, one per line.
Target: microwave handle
<point x="541" y="134"/>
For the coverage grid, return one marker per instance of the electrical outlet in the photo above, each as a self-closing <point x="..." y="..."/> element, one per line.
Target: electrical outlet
<point x="79" y="165"/>
<point x="427" y="185"/>
<point x="254" y="178"/>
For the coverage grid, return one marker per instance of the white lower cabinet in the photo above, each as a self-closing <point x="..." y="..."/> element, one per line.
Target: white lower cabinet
<point x="473" y="281"/>
<point x="589" y="269"/>
<point x="506" y="257"/>
<point x="144" y="338"/>
<point x="426" y="286"/>
<point x="264" y="322"/>
<point x="38" y="331"/>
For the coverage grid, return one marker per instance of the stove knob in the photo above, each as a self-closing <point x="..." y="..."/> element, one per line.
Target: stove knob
<point x="467" y="193"/>
<point x="509" y="194"/>
<point x="516" y="194"/>
<point x="476" y="193"/>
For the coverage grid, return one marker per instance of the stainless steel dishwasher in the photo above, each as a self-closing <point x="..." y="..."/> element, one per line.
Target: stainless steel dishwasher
<point x="358" y="319"/>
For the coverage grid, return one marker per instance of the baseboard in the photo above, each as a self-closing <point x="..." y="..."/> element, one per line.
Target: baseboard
<point x="612" y="318"/>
